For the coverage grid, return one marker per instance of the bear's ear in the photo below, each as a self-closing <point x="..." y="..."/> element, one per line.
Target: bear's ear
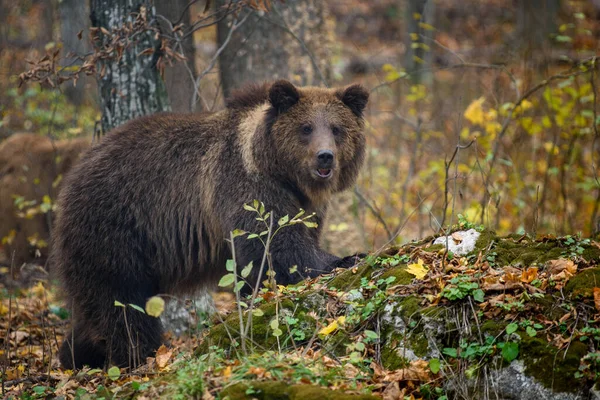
<point x="355" y="97"/>
<point x="283" y="95"/>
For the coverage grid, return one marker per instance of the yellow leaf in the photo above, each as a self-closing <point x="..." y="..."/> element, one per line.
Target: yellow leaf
<point x="418" y="269"/>
<point x="332" y="327"/>
<point x="155" y="306"/>
<point x="474" y="112"/>
<point x="163" y="354"/>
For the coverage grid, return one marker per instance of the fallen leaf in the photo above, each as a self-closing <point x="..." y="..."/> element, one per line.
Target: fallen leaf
<point x="19" y="336"/>
<point x="417" y="269"/>
<point x="392" y="392"/>
<point x="163" y="354"/>
<point x="332" y="326"/>
<point x="457" y="237"/>
<point x="529" y="275"/>
<point x="597" y="298"/>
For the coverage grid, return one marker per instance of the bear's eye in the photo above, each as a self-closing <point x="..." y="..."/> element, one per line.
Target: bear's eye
<point x="307" y="129"/>
<point x="336" y="130"/>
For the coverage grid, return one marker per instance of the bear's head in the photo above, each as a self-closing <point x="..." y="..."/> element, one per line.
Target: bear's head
<point x="313" y="137"/>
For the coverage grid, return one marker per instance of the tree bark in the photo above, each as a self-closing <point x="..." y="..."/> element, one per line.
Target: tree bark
<point x="416" y="58"/>
<point x="290" y="41"/>
<point x="73" y="19"/>
<point x="179" y="78"/>
<point x="130" y="86"/>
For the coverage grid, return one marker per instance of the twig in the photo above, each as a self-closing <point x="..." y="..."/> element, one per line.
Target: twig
<point x="235" y="25"/>
<point x="375" y="213"/>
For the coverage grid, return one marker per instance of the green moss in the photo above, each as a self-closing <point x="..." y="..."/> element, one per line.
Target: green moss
<point x="350" y="279"/>
<point x="283" y="391"/>
<point x="550" y="366"/>
<point x="582" y="284"/>
<point x="418" y="343"/>
<point x="390" y="353"/>
<point x="483" y="242"/>
<point x="493" y="328"/>
<point x="261" y="334"/>
<point x="410" y="307"/>
<point x="434" y="248"/>
<point x="399" y="272"/>
<point x="337" y="342"/>
<point x="592" y="254"/>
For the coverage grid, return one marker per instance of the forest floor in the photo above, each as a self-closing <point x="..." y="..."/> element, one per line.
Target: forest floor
<point x="511" y="298"/>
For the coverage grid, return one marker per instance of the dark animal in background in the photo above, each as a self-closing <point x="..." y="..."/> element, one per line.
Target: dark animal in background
<point x="148" y="210"/>
<point x="31" y="167"/>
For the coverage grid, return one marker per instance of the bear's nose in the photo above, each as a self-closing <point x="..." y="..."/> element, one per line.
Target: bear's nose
<point x="325" y="158"/>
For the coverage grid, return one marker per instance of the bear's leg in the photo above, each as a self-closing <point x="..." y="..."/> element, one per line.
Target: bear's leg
<point x="78" y="350"/>
<point x="132" y="337"/>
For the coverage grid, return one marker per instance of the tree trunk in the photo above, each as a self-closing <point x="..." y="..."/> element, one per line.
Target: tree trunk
<point x="130" y="86"/>
<point x="73" y="19"/>
<point x="416" y="57"/>
<point x="290" y="41"/>
<point x="179" y="78"/>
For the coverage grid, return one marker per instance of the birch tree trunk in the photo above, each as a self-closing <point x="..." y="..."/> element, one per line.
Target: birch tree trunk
<point x="131" y="85"/>
<point x="290" y="41"/>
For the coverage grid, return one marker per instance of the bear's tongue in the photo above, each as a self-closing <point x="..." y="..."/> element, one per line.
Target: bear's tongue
<point x="324" y="172"/>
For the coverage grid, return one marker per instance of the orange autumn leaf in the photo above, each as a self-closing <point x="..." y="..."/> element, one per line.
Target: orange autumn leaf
<point x="529" y="275"/>
<point x="597" y="298"/>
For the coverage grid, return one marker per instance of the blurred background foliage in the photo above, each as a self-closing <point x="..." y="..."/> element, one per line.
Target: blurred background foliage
<point x="484" y="108"/>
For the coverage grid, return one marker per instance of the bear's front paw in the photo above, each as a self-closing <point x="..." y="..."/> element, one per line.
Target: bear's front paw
<point x="350" y="261"/>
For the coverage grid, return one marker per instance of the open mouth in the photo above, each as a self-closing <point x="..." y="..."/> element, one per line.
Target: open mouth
<point x="324" y="173"/>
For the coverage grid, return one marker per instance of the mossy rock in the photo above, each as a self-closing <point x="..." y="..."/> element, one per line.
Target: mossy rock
<point x="492" y="327"/>
<point x="399" y="272"/>
<point x="261" y="334"/>
<point x="350" y="279"/>
<point x="551" y="366"/>
<point x="283" y="391"/>
<point x="583" y="283"/>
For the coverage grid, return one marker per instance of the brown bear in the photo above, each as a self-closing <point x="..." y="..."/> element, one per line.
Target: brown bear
<point x="31" y="167"/>
<point x="148" y="210"/>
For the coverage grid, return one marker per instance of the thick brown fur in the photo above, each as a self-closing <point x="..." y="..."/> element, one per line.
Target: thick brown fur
<point x="30" y="167"/>
<point x="148" y="210"/>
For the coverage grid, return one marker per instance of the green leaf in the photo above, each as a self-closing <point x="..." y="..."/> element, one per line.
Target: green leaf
<point x="257" y="312"/>
<point x="238" y="232"/>
<point x="274" y="324"/>
<point x="309" y="224"/>
<point x="293" y="269"/>
<point x="511" y="328"/>
<point x="531" y="331"/>
<point x="155" y="306"/>
<point x="238" y="286"/>
<point x="94" y="371"/>
<point x="137" y="308"/>
<point x="360" y="346"/>
<point x="371" y="335"/>
<point x="227" y="280"/>
<point x="510" y="351"/>
<point x="249" y="208"/>
<point x="435" y="365"/>
<point x="563" y="38"/>
<point x="114" y="373"/>
<point x="478" y="295"/>
<point x="450" y="352"/>
<point x="252" y="236"/>
<point x="283" y="220"/>
<point x="119" y="304"/>
<point x="246" y="270"/>
<point x="39" y="389"/>
<point x="230" y="265"/>
<point x="277" y="332"/>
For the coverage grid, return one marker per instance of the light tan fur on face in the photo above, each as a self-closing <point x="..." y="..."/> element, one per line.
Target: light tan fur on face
<point x="247" y="128"/>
